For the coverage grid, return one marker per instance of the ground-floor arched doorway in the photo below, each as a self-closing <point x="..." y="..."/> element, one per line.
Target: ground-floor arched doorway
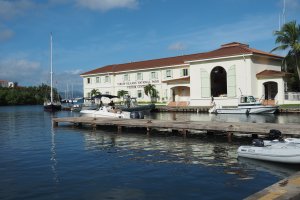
<point x="270" y="92"/>
<point x="218" y="82"/>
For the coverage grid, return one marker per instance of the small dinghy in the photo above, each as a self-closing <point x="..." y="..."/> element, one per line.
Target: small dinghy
<point x="277" y="150"/>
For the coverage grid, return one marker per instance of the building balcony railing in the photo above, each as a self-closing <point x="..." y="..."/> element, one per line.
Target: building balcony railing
<point x="292" y="96"/>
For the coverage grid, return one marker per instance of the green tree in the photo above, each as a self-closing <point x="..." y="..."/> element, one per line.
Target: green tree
<point x="26" y="95"/>
<point x="95" y="92"/>
<point x="151" y="91"/>
<point x="288" y="38"/>
<point x="122" y="93"/>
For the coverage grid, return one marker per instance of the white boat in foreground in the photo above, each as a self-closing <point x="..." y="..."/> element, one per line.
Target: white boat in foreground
<point x="247" y="105"/>
<point x="275" y="151"/>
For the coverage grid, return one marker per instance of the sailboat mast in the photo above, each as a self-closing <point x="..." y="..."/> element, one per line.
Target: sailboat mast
<point x="51" y="72"/>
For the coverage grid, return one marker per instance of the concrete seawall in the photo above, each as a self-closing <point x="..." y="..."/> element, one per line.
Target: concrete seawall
<point x="288" y="188"/>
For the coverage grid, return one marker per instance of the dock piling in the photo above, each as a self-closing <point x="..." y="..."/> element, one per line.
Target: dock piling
<point x="119" y="129"/>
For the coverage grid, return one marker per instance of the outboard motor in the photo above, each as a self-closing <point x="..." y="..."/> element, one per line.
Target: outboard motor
<point x="141" y="114"/>
<point x="258" y="142"/>
<point x="274" y="134"/>
<point x="134" y="115"/>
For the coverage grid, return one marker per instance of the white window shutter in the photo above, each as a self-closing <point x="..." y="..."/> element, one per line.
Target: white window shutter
<point x="231" y="82"/>
<point x="205" y="84"/>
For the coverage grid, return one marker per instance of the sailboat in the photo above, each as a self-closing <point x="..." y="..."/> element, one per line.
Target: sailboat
<point x="51" y="105"/>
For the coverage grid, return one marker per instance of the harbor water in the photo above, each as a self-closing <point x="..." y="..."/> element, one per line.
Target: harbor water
<point x="41" y="162"/>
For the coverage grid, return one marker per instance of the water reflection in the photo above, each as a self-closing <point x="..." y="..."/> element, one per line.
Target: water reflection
<point x="270" y="118"/>
<point x="53" y="157"/>
<point x="173" y="150"/>
<point x="277" y="169"/>
<point x="163" y="149"/>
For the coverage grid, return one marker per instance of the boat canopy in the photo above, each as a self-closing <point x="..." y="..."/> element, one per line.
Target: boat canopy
<point x="104" y="95"/>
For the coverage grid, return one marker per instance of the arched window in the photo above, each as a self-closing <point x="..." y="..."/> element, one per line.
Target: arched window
<point x="218" y="82"/>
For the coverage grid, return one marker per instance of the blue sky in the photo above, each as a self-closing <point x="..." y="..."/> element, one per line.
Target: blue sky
<point x="92" y="33"/>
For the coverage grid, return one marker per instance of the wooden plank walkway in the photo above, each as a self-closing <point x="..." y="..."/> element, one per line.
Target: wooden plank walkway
<point x="184" y="126"/>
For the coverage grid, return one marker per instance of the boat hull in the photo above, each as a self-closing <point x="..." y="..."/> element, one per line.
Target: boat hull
<point x="104" y="113"/>
<point x="52" y="107"/>
<point x="247" y="110"/>
<point x="282" y="153"/>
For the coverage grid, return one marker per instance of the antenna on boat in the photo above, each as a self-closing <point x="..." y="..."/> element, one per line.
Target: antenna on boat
<point x="241" y="91"/>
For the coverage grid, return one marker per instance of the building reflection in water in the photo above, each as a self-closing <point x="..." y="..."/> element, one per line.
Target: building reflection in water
<point x="190" y="151"/>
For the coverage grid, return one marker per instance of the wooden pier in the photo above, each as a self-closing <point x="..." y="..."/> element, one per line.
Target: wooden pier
<point x="184" y="127"/>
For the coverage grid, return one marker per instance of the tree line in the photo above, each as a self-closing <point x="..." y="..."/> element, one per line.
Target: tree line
<point x="33" y="95"/>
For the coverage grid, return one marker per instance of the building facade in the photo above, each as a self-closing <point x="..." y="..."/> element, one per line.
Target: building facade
<point x="224" y="73"/>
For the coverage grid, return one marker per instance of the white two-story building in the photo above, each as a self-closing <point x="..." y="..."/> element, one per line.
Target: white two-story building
<point x="224" y="73"/>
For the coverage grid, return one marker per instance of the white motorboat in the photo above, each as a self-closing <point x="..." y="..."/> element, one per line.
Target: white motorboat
<point x="107" y="112"/>
<point x="110" y="111"/>
<point x="276" y="151"/>
<point x="246" y="105"/>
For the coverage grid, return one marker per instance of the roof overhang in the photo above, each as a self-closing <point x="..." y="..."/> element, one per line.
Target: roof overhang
<point x="178" y="80"/>
<point x="219" y="58"/>
<point x="272" y="74"/>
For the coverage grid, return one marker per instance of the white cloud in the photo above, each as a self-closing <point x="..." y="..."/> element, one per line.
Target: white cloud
<point x="177" y="46"/>
<point x="31" y="73"/>
<point x="19" y="70"/>
<point x="5" y="34"/>
<point x="10" y="9"/>
<point x="292" y="4"/>
<point x="105" y="5"/>
<point x="74" y="72"/>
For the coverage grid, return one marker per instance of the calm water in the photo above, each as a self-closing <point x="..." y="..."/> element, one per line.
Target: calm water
<point x="39" y="162"/>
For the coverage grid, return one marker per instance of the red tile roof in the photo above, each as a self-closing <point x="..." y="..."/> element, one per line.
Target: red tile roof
<point x="271" y="73"/>
<point x="230" y="49"/>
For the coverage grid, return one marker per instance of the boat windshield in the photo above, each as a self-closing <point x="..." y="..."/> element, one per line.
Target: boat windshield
<point x="248" y="99"/>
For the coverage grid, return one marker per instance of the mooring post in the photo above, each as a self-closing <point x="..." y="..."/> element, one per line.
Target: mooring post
<point x="229" y="136"/>
<point x="148" y="131"/>
<point x="94" y="127"/>
<point x="119" y="129"/>
<point x="184" y="133"/>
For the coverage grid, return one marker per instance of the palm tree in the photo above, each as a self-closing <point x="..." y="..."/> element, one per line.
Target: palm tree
<point x="151" y="91"/>
<point x="95" y="92"/>
<point x="288" y="38"/>
<point x="122" y="93"/>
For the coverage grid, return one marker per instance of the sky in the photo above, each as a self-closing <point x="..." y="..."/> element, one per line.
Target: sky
<point x="88" y="34"/>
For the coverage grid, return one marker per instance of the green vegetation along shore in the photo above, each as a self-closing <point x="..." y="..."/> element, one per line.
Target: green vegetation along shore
<point x="34" y="95"/>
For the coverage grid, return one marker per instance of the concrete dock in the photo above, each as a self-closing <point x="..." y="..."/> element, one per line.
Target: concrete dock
<point x="288" y="188"/>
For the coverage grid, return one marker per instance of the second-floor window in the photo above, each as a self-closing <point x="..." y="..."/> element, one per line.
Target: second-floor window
<point x="88" y="80"/>
<point x="184" y="72"/>
<point x="107" y="79"/>
<point x="139" y="76"/>
<point x="168" y="73"/>
<point x="97" y="79"/>
<point x="153" y="75"/>
<point x="126" y="77"/>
